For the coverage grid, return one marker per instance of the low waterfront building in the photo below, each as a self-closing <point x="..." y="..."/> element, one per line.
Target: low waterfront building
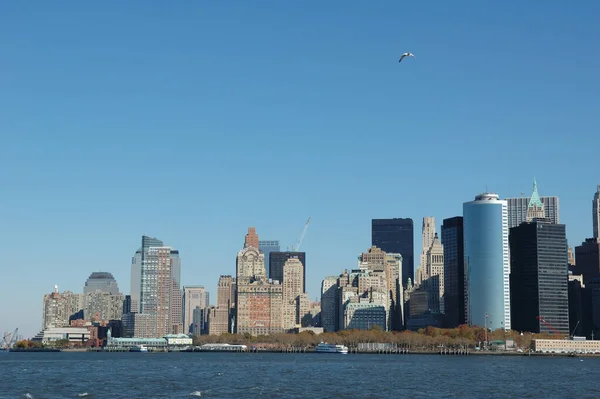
<point x="53" y="334"/>
<point x="575" y="345"/>
<point x="168" y="342"/>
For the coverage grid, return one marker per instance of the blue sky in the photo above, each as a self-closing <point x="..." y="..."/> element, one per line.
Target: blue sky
<point x="192" y="120"/>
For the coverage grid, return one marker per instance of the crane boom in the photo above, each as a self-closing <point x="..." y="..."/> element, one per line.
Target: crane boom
<point x="297" y="247"/>
<point x="548" y="325"/>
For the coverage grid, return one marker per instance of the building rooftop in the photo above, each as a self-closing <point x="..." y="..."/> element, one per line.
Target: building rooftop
<point x="101" y="275"/>
<point x="535" y="197"/>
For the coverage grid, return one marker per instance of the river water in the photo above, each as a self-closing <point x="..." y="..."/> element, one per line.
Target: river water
<point x="264" y="375"/>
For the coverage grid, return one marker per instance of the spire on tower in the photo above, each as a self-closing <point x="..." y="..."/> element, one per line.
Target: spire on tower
<point x="535" y="197"/>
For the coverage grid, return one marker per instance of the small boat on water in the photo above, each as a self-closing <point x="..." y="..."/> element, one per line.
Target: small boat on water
<point x="138" y="348"/>
<point x="331" y="348"/>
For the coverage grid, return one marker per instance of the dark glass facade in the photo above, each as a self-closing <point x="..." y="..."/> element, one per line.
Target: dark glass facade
<point x="587" y="257"/>
<point x="581" y="321"/>
<point x="277" y="260"/>
<point x="396" y="236"/>
<point x="454" y="271"/>
<point x="539" y="279"/>
<point x="266" y="247"/>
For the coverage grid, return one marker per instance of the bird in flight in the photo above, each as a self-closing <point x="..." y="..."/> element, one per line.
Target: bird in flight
<point x="406" y="55"/>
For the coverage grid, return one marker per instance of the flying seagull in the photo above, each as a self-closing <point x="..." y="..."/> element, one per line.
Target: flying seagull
<point x="406" y="55"/>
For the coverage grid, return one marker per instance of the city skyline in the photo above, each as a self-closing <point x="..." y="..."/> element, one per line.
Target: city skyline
<point x="90" y="114"/>
<point x="209" y="285"/>
<point x="429" y="238"/>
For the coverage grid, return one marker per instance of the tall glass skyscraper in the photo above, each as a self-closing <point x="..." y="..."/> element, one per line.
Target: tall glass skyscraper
<point x="396" y="236"/>
<point x="539" y="277"/>
<point x="266" y="247"/>
<point x="487" y="262"/>
<point x="454" y="271"/>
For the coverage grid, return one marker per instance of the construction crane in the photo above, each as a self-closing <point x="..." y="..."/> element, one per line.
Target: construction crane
<point x="540" y="318"/>
<point x="296" y="248"/>
<point x="573" y="332"/>
<point x="9" y="339"/>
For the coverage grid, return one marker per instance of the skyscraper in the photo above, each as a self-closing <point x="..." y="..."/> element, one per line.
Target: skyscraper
<point x="161" y="293"/>
<point x="278" y="259"/>
<point x="157" y="297"/>
<point x="258" y="302"/>
<point x="101" y="281"/>
<point x="396" y="236"/>
<point x="250" y="265"/>
<point x="596" y="210"/>
<point x="525" y="209"/>
<point x="292" y="291"/>
<point x="487" y="262"/>
<point x="136" y="270"/>
<point x="587" y="256"/>
<point x="266" y="247"/>
<point x="251" y="238"/>
<point x="454" y="271"/>
<point x="194" y="297"/>
<point x="375" y="265"/>
<point x="538" y="277"/>
<point x="101" y="298"/>
<point x="329" y="304"/>
<point x="435" y="271"/>
<point x="427" y="236"/>
<point x="220" y="317"/>
<point x="59" y="308"/>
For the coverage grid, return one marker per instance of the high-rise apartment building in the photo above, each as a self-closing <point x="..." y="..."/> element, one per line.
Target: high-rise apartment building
<point x="194" y="297"/>
<point x="266" y="247"/>
<point x="485" y="223"/>
<point x="259" y="308"/>
<point x="136" y="270"/>
<point x="220" y="317"/>
<point x="102" y="300"/>
<point x="370" y="295"/>
<point x="329" y="304"/>
<point x="226" y="292"/>
<point x="454" y="271"/>
<point x="596" y="211"/>
<point x="278" y="259"/>
<point x="292" y="291"/>
<point x="396" y="236"/>
<point x="161" y="294"/>
<point x="157" y="296"/>
<point x="525" y="209"/>
<point x="538" y="278"/>
<point x="59" y="308"/>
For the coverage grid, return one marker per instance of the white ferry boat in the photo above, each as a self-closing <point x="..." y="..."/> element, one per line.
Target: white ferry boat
<point x="138" y="348"/>
<point x="331" y="348"/>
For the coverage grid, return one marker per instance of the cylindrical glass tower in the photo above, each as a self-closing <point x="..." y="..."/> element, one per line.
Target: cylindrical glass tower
<point x="487" y="262"/>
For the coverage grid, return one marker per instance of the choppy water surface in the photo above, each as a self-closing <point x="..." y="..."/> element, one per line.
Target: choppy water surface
<point x="236" y="375"/>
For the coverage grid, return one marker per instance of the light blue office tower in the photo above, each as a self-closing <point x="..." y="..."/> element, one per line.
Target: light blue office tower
<point x="487" y="262"/>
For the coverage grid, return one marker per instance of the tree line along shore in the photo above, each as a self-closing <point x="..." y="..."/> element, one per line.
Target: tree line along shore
<point x="430" y="338"/>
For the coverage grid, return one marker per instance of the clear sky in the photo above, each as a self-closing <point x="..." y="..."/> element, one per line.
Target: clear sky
<point x="192" y="120"/>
